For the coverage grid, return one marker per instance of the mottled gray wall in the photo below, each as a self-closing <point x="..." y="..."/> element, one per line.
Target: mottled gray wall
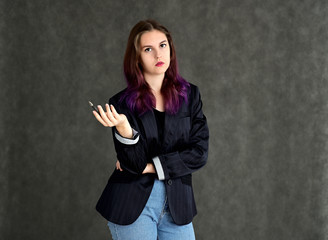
<point x="262" y="67"/>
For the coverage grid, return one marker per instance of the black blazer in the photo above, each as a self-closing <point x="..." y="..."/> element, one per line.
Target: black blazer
<point x="183" y="151"/>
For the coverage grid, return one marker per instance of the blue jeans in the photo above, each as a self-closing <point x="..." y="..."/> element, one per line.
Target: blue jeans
<point x="155" y="221"/>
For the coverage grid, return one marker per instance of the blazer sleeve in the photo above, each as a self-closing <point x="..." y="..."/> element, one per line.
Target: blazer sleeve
<point x="131" y="153"/>
<point x="194" y="155"/>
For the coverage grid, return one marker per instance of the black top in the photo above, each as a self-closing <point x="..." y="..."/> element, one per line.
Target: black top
<point x="160" y="120"/>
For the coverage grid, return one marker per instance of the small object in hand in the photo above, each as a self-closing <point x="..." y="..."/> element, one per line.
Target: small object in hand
<point x="93" y="107"/>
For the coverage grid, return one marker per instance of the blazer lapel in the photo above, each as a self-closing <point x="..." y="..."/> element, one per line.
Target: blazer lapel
<point x="149" y="123"/>
<point x="169" y="126"/>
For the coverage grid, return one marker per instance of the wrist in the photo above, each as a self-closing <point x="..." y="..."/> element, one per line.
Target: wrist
<point x="125" y="130"/>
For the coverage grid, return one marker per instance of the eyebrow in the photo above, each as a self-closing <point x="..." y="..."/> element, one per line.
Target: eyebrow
<point x="146" y="46"/>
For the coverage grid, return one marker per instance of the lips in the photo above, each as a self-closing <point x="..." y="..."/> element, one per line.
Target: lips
<point x="159" y="64"/>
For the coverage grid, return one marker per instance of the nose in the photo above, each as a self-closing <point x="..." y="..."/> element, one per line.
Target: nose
<point x="158" y="55"/>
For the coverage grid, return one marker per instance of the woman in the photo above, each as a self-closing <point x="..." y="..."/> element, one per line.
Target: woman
<point x="161" y="138"/>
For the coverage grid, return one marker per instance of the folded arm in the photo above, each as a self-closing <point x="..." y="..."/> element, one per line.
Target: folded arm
<point x="194" y="155"/>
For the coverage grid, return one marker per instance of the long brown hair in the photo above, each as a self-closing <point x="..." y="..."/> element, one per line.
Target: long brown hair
<point x="138" y="96"/>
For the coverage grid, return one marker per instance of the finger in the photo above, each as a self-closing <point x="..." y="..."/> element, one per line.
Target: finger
<point x="104" y="116"/>
<point x="98" y="117"/>
<point x="107" y="108"/>
<point x="110" y="115"/>
<point x="118" y="166"/>
<point x="115" y="114"/>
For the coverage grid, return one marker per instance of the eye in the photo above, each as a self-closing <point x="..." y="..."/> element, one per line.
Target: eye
<point x="163" y="45"/>
<point x="147" y="49"/>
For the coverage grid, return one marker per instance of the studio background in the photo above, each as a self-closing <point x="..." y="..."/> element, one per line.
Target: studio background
<point x="261" y="66"/>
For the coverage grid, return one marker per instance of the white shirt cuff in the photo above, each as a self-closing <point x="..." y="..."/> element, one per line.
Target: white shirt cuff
<point x="159" y="168"/>
<point x="128" y="141"/>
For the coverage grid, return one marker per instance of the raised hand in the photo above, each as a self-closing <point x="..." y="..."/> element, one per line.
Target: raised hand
<point x="111" y="118"/>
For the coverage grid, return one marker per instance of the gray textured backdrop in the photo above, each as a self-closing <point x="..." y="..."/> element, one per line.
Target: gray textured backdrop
<point x="262" y="67"/>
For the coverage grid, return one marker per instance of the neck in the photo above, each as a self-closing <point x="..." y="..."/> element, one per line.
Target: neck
<point x="155" y="81"/>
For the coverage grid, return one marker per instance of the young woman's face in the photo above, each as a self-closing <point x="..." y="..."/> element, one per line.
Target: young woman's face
<point x="154" y="52"/>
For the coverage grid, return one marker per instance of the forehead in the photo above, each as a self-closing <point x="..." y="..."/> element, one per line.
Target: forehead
<point x="153" y="37"/>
